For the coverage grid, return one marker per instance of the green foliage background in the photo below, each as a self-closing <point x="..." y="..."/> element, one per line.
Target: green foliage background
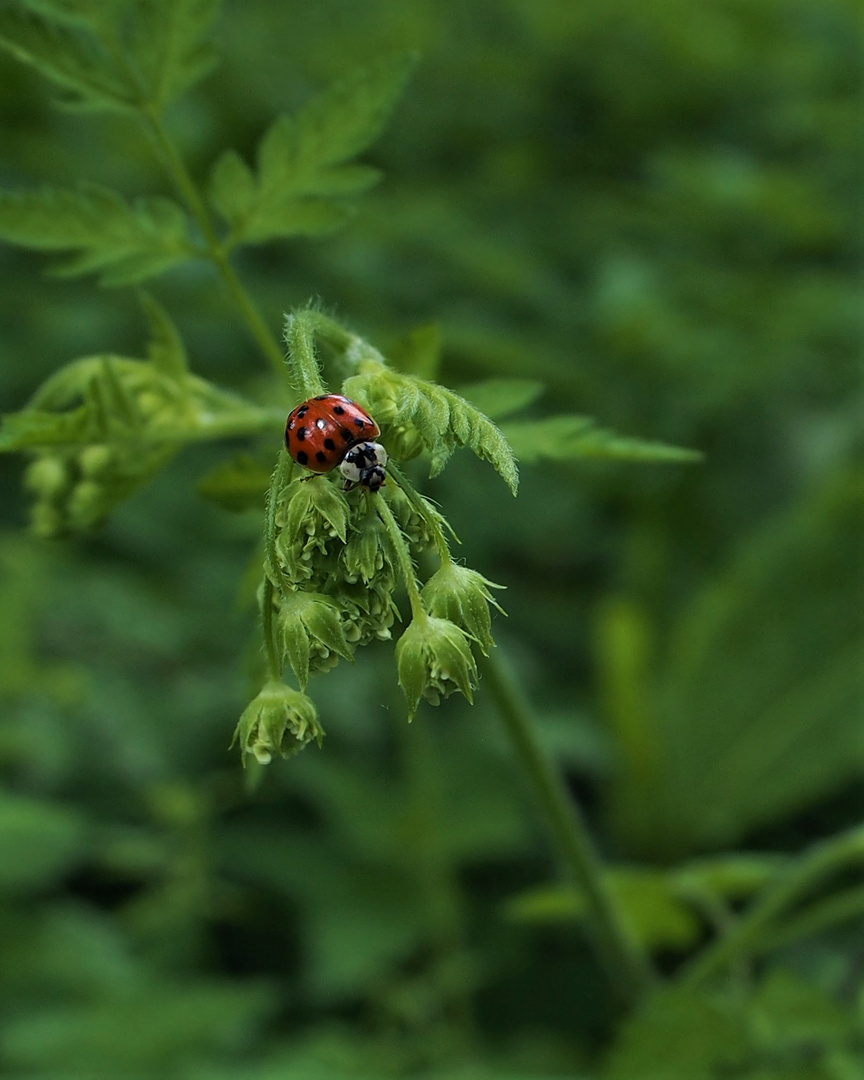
<point x="649" y="208"/>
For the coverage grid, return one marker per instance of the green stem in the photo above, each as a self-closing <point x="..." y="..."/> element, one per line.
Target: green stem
<point x="305" y="371"/>
<point x="401" y="555"/>
<point x="420" y="508"/>
<point x="743" y="939"/>
<point x="627" y="966"/>
<point x="274" y="664"/>
<point x="185" y="185"/>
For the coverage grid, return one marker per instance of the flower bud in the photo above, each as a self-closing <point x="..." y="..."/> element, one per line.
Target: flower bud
<point x="434" y="659"/>
<point x="278" y="721"/>
<point x="312" y="634"/>
<point x="462" y="595"/>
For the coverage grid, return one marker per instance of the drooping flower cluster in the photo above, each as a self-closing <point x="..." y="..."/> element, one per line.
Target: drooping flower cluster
<point x="336" y="561"/>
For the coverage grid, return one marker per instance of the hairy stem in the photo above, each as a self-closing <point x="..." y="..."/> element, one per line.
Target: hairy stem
<point x="627" y="966"/>
<point x="744" y="938"/>
<point x="185" y="185"/>
<point x="274" y="664"/>
<point x="401" y="555"/>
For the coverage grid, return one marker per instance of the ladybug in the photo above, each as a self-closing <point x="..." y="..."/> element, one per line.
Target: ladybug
<point x="364" y="464"/>
<point x="320" y="433"/>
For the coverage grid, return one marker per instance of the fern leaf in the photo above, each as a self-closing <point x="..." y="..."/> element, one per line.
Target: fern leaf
<point x="570" y="438"/>
<point x="74" y="60"/>
<point x="168" y="48"/>
<point x="124" y="242"/>
<point x="302" y="161"/>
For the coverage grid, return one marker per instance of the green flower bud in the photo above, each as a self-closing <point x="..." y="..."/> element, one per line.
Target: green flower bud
<point x="364" y="556"/>
<point x="462" y="596"/>
<point x="278" y="721"/>
<point x="312" y="634"/>
<point x="311" y="515"/>
<point x="46" y="521"/>
<point x="434" y="659"/>
<point x="87" y="505"/>
<point x="94" y="461"/>
<point x="47" y="476"/>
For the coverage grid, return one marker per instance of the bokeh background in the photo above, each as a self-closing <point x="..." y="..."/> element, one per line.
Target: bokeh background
<point x="651" y="208"/>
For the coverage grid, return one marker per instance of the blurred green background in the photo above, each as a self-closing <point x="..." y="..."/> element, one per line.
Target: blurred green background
<point x="650" y="207"/>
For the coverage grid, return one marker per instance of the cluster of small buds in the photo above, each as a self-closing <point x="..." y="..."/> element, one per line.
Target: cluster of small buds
<point x="101" y="427"/>
<point x="75" y="491"/>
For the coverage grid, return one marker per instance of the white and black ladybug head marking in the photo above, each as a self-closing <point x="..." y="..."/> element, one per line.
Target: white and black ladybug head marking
<point x="364" y="464"/>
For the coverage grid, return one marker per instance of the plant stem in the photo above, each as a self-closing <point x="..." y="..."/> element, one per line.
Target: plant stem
<point x="822" y="859"/>
<point x="185" y="185"/>
<point x="401" y="555"/>
<point x="274" y="664"/>
<point x="626" y="965"/>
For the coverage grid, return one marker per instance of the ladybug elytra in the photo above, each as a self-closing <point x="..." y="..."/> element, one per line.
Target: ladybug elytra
<point x="321" y="432"/>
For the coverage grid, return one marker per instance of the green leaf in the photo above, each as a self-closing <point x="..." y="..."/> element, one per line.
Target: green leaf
<point x="165" y="350"/>
<point x="778" y="620"/>
<point x="680" y="1036"/>
<point x="302" y="160"/>
<point x="501" y="397"/>
<point x="236" y="485"/>
<point x="123" y="242"/>
<point x="69" y="57"/>
<point x="168" y="48"/>
<point x="656" y="916"/>
<point x="418" y="352"/>
<point x="38" y="840"/>
<point x="569" y="438"/>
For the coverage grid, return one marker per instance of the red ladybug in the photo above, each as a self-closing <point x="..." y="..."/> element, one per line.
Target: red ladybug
<point x="321" y="431"/>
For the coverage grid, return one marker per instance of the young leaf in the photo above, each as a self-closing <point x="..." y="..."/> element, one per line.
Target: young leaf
<point x="124" y="243"/>
<point x="165" y="350"/>
<point x="302" y="169"/>
<point x="167" y="46"/>
<point x="568" y="438"/>
<point x="73" y="59"/>
<point x="656" y="916"/>
<point x="501" y="397"/>
<point x="236" y="485"/>
<point x="441" y="418"/>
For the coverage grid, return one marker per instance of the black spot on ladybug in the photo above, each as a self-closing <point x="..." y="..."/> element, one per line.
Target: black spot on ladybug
<point x="321" y="424"/>
<point x="359" y="422"/>
<point x="301" y="412"/>
<point x="338" y="409"/>
<point x="302" y="457"/>
<point x="320" y="456"/>
<point x="290" y="425"/>
<point x="347" y="435"/>
<point x="329" y="444"/>
<point x="322" y="397"/>
<point x="301" y="433"/>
